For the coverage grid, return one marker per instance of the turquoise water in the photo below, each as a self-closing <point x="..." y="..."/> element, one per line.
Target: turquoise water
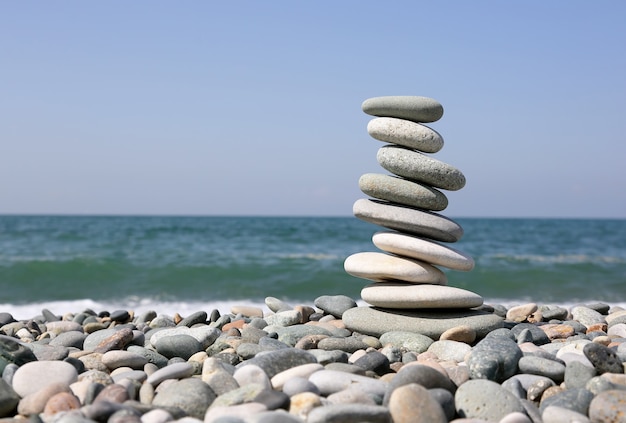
<point x="156" y="261"/>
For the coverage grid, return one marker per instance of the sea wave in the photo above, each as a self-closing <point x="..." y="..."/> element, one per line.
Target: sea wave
<point x="559" y="258"/>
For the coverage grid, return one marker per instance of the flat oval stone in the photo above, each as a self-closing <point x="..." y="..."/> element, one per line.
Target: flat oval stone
<point x="402" y="191"/>
<point x="422" y="249"/>
<point x="406" y="295"/>
<point x="410" y="341"/>
<point x="420" y="167"/>
<point x="407" y="219"/>
<point x="494" y="358"/>
<point x="431" y="323"/>
<point x="383" y="267"/>
<point x="414" y="108"/>
<point x="406" y="133"/>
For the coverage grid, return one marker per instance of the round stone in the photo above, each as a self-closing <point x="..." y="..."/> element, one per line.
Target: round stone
<point x="420" y="167"/>
<point x="414" y="108"/>
<point x="413" y="404"/>
<point x="431" y="323"/>
<point x="406" y="133"/>
<point x="405" y="295"/>
<point x="384" y="267"/>
<point x="608" y="406"/>
<point x="35" y="375"/>
<point x="487" y="400"/>
<point x="402" y="191"/>
<point x="406" y="219"/>
<point x="422" y="249"/>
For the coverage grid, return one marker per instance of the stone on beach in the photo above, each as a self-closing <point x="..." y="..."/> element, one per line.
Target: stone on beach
<point x="422" y="249"/>
<point x="384" y="267"/>
<point x="406" y="133"/>
<point x="414" y="108"/>
<point x="402" y="191"/>
<point x="406" y="295"/>
<point x="419" y="167"/>
<point x="406" y="219"/>
<point x="432" y="323"/>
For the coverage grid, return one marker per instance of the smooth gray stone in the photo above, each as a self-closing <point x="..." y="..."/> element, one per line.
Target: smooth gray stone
<point x="539" y="337"/>
<point x="494" y="358"/>
<point x="69" y="339"/>
<point x="374" y="361"/>
<point x="423" y="375"/>
<point x="93" y="339"/>
<point x="290" y="335"/>
<point x="577" y="375"/>
<point x="414" y="108"/>
<point x="272" y="399"/>
<point x="334" y="304"/>
<point x="446" y="399"/>
<point x="8" y="399"/>
<point x="324" y="357"/>
<point x="587" y="316"/>
<point x="190" y="395"/>
<point x="406" y="133"/>
<point x="194" y="318"/>
<point x="272" y="416"/>
<point x="349" y="344"/>
<point x="284" y="318"/>
<point x="274" y="362"/>
<point x="422" y="249"/>
<point x="411" y="296"/>
<point x="173" y="371"/>
<point x="577" y="399"/>
<point x="485" y="399"/>
<point x="47" y="352"/>
<point x="276" y="305"/>
<point x="409" y="341"/>
<point x="349" y="413"/>
<point x="406" y="219"/>
<point x="402" y="191"/>
<point x="153" y="357"/>
<point x="554" y="414"/>
<point x="121" y="316"/>
<point x="183" y="346"/>
<point x="418" y="167"/>
<point x="376" y="321"/>
<point x="542" y="367"/>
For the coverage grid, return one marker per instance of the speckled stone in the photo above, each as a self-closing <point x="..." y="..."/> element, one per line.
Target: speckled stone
<point x="608" y="406"/>
<point x="190" y="395"/>
<point x="402" y="191"/>
<point x="415" y="166"/>
<point x="385" y="267"/>
<point x="406" y="133"/>
<point x="422" y="249"/>
<point x="376" y="321"/>
<point x="406" y="295"/>
<point x="406" y="219"/>
<point x="414" y="108"/>
<point x="494" y="358"/>
<point x="409" y="341"/>
<point x="413" y="404"/>
<point x="604" y="359"/>
<point x="485" y="399"/>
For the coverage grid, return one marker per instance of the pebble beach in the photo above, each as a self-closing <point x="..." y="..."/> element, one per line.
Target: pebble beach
<point x="302" y="363"/>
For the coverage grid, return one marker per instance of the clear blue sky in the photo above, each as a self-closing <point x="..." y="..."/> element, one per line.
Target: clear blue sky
<point x="254" y="108"/>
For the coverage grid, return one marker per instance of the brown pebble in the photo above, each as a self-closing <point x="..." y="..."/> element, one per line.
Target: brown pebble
<point x="305" y="312"/>
<point x="237" y="324"/>
<point x="302" y="404"/>
<point x="520" y="313"/>
<point x="460" y="334"/>
<point x="247" y="311"/>
<point x="309" y="342"/>
<point x="597" y="327"/>
<point x="117" y="341"/>
<point x="557" y="331"/>
<point x="177" y="318"/>
<point x="553" y="390"/>
<point x="603" y="339"/>
<point x="113" y="393"/>
<point x="63" y="401"/>
<point x="413" y="404"/>
<point x="396" y="366"/>
<point x="233" y="332"/>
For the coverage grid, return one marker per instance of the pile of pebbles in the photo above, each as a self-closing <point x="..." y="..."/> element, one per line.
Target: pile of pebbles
<point x="409" y="290"/>
<point x="301" y="364"/>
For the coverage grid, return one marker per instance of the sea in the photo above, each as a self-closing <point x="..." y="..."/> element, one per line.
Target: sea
<point x="173" y="264"/>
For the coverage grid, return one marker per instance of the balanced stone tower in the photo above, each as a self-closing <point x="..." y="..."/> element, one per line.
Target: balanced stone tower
<point x="409" y="292"/>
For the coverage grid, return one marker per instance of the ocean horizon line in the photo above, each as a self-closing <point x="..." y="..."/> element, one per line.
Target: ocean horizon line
<point x="286" y="216"/>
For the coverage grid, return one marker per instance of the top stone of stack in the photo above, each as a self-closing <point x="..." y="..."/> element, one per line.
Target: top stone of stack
<point x="413" y="108"/>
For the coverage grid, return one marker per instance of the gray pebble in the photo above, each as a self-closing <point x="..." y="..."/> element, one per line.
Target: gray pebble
<point x="494" y="358"/>
<point x="577" y="399"/>
<point x="484" y="399"/>
<point x="335" y="304"/>
<point x="543" y="367"/>
<point x="349" y="413"/>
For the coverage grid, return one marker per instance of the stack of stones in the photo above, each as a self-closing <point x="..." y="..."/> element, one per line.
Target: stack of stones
<point x="408" y="291"/>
